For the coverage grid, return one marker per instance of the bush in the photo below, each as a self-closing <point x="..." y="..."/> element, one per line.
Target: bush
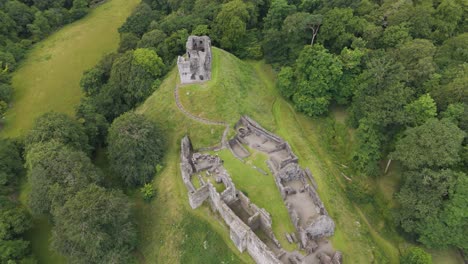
<point x="415" y="255"/>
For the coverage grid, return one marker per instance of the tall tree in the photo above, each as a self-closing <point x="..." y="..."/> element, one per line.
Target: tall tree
<point x="231" y="24"/>
<point x="436" y="144"/>
<point x="58" y="127"/>
<point x="55" y="173"/>
<point x="95" y="226"/>
<point x="136" y="146"/>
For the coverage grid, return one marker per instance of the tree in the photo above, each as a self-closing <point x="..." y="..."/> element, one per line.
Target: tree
<point x="278" y="11"/>
<point x="138" y="22"/>
<point x="14" y="222"/>
<point x="421" y="110"/>
<point x="339" y="28"/>
<point x="134" y="76"/>
<point x="11" y="164"/>
<point x="152" y="39"/>
<point x="79" y="9"/>
<point x="436" y="143"/>
<point x="432" y="206"/>
<point x="128" y="41"/>
<point x="417" y="58"/>
<point x="95" y="226"/>
<point x="285" y="82"/>
<point x="447" y="17"/>
<point x="40" y="28"/>
<point x="136" y="146"/>
<point x="301" y="23"/>
<point x="317" y="73"/>
<point x="94" y="123"/>
<point x="21" y="14"/>
<point x="58" y="127"/>
<point x="454" y="51"/>
<point x="367" y="152"/>
<point x="55" y="173"/>
<point x="3" y="108"/>
<point x="415" y="255"/>
<point x="451" y="87"/>
<point x="231" y="24"/>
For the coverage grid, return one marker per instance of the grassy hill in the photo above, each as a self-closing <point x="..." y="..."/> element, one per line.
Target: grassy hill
<point x="49" y="78"/>
<point x="241" y="88"/>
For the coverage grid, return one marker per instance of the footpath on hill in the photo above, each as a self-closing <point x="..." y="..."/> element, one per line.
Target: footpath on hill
<point x="49" y="77"/>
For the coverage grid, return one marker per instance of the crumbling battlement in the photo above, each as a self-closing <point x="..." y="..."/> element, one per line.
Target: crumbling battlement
<point x="197" y="66"/>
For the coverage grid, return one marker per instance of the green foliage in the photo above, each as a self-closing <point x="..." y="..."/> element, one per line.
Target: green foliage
<point x="368" y="148"/>
<point x="417" y="58"/>
<point x="138" y="22"/>
<point x="415" y="255"/>
<point x="316" y="76"/>
<point x="148" y="192"/>
<point x="60" y="128"/>
<point x="128" y="41"/>
<point x="285" y="82"/>
<point x="133" y="77"/>
<point x="55" y="173"/>
<point x="3" y="108"/>
<point x="421" y="110"/>
<point x="10" y="162"/>
<point x="231" y="24"/>
<point x="95" y="226"/>
<point x="436" y="143"/>
<point x="136" y="145"/>
<point x="201" y="30"/>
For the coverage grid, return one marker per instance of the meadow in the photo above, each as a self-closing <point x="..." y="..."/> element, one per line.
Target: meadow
<point x="49" y="78"/>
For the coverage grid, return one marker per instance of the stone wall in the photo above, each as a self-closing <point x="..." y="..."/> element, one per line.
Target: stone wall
<point x="241" y="234"/>
<point x="197" y="66"/>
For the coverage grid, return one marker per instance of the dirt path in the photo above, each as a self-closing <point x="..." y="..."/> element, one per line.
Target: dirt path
<point x="201" y="119"/>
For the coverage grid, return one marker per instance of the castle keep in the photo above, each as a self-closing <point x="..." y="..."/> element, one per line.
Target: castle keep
<point x="196" y="67"/>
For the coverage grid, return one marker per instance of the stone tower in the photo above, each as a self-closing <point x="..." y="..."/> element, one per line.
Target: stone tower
<point x="197" y="66"/>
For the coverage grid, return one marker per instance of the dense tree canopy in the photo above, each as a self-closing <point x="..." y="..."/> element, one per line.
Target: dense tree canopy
<point x="436" y="143"/>
<point x="95" y="226"/>
<point x="136" y="146"/>
<point x="55" y="173"/>
<point x="10" y="161"/>
<point x="58" y="127"/>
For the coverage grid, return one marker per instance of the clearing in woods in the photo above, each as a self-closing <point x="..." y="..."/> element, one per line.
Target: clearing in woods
<point x="49" y="78"/>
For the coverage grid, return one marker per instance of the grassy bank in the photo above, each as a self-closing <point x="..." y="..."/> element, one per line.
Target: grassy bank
<point x="245" y="88"/>
<point x="49" y="77"/>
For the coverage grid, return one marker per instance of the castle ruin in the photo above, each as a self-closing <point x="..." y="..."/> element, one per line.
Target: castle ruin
<point x="196" y="66"/>
<point x="250" y="226"/>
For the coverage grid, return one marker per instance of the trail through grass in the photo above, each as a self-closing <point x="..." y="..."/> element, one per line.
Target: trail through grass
<point x="244" y="88"/>
<point x="49" y="77"/>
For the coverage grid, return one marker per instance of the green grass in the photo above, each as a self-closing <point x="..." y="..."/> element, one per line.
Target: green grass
<point x="245" y="88"/>
<point x="261" y="190"/>
<point x="202" y="244"/>
<point x="48" y="79"/>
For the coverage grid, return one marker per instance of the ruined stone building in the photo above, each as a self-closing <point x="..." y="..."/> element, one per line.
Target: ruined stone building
<point x="250" y="226"/>
<point x="196" y="67"/>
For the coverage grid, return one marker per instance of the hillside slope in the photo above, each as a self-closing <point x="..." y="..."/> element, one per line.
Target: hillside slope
<point x="49" y="78"/>
<point x="241" y="88"/>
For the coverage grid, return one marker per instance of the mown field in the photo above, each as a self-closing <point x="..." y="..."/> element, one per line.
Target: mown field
<point x="48" y="79"/>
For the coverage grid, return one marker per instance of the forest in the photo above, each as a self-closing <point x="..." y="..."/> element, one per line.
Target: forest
<point x="399" y="68"/>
